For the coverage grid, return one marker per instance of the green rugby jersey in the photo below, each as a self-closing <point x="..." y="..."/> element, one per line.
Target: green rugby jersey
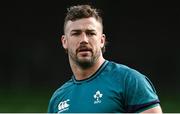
<point x="114" y="88"/>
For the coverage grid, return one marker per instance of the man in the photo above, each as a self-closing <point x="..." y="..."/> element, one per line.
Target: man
<point x="98" y="85"/>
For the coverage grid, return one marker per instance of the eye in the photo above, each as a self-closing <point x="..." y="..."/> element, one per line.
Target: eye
<point x="75" y="34"/>
<point x="91" y="33"/>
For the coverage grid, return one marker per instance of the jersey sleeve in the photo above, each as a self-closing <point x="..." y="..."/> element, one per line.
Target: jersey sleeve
<point x="140" y="93"/>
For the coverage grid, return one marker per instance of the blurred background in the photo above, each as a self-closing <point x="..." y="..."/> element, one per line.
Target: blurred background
<point x="143" y="35"/>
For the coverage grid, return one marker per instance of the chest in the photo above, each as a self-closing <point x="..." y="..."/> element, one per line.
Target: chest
<point x="91" y="97"/>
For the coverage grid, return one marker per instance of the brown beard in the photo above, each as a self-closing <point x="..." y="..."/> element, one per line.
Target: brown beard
<point x="84" y="64"/>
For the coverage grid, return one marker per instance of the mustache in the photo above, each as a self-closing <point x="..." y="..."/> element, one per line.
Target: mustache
<point x="83" y="48"/>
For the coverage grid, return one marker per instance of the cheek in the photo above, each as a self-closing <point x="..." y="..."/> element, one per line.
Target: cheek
<point x="72" y="45"/>
<point x="96" y="45"/>
<point x="100" y="44"/>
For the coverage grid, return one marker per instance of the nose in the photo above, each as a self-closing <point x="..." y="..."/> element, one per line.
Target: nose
<point x="84" y="38"/>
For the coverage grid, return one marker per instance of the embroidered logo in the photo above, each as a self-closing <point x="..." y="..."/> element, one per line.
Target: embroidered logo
<point x="63" y="105"/>
<point x="97" y="97"/>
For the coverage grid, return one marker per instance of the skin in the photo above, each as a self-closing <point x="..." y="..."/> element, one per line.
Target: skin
<point x="83" y="40"/>
<point x="156" y="109"/>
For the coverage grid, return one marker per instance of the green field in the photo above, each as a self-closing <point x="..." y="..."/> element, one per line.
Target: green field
<point x="24" y="101"/>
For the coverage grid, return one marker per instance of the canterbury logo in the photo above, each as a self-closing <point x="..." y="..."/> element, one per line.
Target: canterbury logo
<point x="63" y="105"/>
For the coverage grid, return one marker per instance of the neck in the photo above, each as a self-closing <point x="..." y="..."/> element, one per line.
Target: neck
<point x="81" y="74"/>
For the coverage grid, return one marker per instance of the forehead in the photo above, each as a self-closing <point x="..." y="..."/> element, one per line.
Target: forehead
<point x="83" y="24"/>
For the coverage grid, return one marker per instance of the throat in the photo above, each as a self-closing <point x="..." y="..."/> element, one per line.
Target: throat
<point x="87" y="70"/>
<point x="83" y="74"/>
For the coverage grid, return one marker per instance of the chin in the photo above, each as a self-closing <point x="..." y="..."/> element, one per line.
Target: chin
<point x="85" y="60"/>
<point x="84" y="64"/>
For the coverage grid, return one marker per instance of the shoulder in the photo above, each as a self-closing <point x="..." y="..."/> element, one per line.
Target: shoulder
<point x="57" y="95"/>
<point x="126" y="75"/>
<point x="61" y="91"/>
<point x="63" y="88"/>
<point x="123" y="70"/>
<point x="138" y="91"/>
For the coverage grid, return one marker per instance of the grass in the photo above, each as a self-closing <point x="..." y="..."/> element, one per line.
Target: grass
<point x="28" y="101"/>
<point x="170" y="103"/>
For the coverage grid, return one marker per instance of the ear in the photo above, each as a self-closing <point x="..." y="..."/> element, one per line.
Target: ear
<point x="64" y="41"/>
<point x="103" y="40"/>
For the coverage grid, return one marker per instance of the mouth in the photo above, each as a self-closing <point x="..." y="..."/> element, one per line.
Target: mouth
<point x="84" y="50"/>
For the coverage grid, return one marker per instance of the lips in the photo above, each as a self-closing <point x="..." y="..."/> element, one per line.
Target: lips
<point x="84" y="49"/>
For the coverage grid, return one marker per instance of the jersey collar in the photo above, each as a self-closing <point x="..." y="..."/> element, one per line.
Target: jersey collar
<point x="91" y="77"/>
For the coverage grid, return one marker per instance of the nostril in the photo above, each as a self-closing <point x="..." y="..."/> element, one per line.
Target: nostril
<point x="83" y="42"/>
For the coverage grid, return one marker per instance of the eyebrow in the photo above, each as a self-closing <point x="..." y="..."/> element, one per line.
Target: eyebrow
<point x="79" y="30"/>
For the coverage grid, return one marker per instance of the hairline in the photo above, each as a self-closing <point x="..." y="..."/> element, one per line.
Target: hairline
<point x="100" y="22"/>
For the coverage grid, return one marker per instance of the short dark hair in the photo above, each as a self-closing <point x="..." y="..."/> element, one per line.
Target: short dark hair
<point x="83" y="11"/>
